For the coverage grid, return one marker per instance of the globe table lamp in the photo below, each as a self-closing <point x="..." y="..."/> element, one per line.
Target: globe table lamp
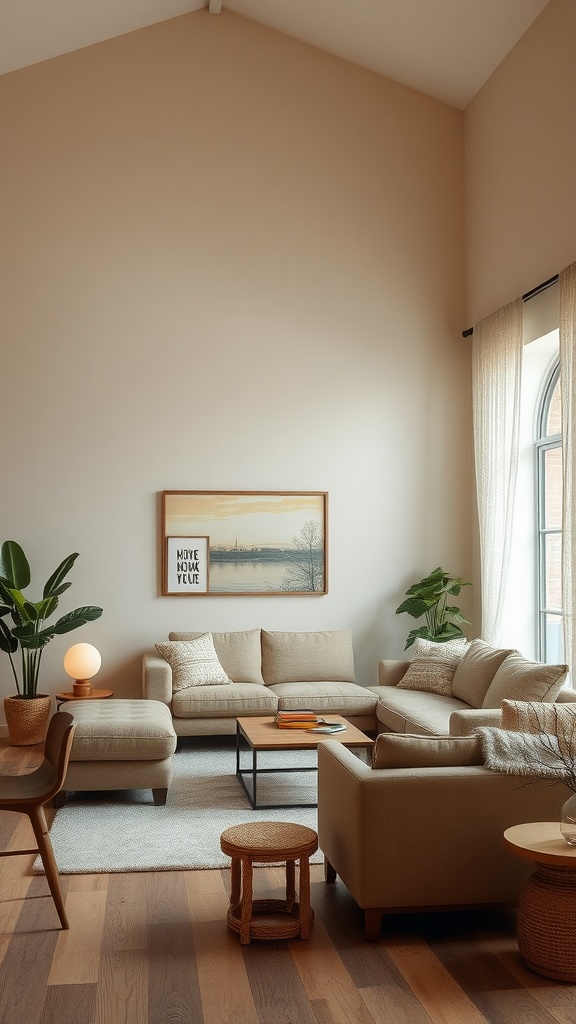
<point x="81" y="662"/>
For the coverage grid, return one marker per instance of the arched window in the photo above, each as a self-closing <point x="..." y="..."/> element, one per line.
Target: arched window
<point x="549" y="519"/>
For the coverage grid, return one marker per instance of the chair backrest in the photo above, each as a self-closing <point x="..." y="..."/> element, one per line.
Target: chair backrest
<point x="59" y="744"/>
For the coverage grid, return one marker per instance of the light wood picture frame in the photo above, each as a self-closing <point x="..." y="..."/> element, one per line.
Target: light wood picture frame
<point x="265" y="543"/>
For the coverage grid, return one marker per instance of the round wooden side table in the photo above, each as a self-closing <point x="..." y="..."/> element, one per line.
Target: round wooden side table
<point x="267" y="842"/>
<point x="61" y="698"/>
<point x="546" y="925"/>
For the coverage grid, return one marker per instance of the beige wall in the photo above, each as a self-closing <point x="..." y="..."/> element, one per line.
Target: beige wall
<point x="230" y="261"/>
<point x="521" y="165"/>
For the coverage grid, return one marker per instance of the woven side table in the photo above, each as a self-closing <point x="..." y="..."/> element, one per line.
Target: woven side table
<point x="546" y="925"/>
<point x="267" y="842"/>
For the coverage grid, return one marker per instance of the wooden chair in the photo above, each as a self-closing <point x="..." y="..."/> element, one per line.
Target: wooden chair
<point x="27" y="794"/>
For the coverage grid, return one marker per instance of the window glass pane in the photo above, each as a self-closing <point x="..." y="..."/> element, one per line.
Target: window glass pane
<point x="553" y="488"/>
<point x="549" y="517"/>
<point x="554" y="419"/>
<point x="552" y="555"/>
<point x="554" y="640"/>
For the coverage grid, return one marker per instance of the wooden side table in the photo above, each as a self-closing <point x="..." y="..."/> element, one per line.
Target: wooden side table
<point x="61" y="698"/>
<point x="266" y="842"/>
<point x="546" y="925"/>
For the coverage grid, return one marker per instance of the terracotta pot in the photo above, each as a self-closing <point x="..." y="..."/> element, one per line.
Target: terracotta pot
<point x="27" y="719"/>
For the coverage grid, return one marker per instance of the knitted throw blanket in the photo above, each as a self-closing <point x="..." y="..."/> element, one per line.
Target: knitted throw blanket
<point x="522" y="753"/>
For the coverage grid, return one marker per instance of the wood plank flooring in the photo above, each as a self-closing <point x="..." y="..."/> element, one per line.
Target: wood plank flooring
<point x="153" y="948"/>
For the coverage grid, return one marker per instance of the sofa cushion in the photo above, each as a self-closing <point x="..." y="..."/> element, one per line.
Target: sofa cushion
<point x="476" y="671"/>
<point x="520" y="679"/>
<point x="307" y="657"/>
<point x="433" y="666"/>
<point x="193" y="662"/>
<point x="121" y="730"/>
<point x="397" y="750"/>
<point x="536" y="717"/>
<point x="239" y="653"/>
<point x="231" y="701"/>
<point x="338" y="698"/>
<point x="415" y="710"/>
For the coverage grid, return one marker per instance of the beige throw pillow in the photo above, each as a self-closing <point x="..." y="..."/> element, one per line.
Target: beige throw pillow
<point x="239" y="653"/>
<point x="536" y="717"/>
<point x="476" y="671"/>
<point x="403" y="750"/>
<point x="433" y="666"/>
<point x="520" y="679"/>
<point x="193" y="662"/>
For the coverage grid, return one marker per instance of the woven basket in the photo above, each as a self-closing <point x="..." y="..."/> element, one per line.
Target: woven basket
<point x="546" y="917"/>
<point x="27" y="719"/>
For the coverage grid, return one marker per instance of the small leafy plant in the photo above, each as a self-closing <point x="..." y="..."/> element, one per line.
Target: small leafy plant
<point x="29" y="634"/>
<point x="430" y="597"/>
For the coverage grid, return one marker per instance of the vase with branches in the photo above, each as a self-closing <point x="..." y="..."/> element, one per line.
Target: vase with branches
<point x="547" y="753"/>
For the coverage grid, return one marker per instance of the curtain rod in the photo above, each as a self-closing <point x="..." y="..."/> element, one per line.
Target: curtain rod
<point x="527" y="295"/>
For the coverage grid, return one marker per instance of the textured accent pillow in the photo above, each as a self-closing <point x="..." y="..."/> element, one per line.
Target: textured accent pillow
<point x="433" y="666"/>
<point x="308" y="657"/>
<point x="520" y="679"/>
<point x="535" y="716"/>
<point x="239" y="653"/>
<point x="476" y="671"/>
<point x="403" y="750"/>
<point x="193" y="662"/>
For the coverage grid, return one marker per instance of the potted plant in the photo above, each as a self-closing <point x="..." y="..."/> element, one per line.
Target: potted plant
<point x="429" y="597"/>
<point x="27" y="711"/>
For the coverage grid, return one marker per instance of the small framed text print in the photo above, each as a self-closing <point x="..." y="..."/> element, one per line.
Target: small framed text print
<point x="186" y="565"/>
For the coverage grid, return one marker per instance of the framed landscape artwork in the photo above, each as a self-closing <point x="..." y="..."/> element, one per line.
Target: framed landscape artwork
<point x="244" y="542"/>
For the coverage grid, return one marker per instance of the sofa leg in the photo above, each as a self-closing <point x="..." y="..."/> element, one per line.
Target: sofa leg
<point x="329" y="871"/>
<point x="159" y="797"/>
<point x="372" y="924"/>
<point x="60" y="798"/>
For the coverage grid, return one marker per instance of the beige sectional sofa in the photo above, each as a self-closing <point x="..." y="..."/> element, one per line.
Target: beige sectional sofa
<point x="483" y="677"/>
<point x="265" y="670"/>
<point x="424" y="831"/>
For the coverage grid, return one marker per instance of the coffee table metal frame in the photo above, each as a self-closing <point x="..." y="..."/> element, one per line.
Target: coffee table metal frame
<point x="299" y="740"/>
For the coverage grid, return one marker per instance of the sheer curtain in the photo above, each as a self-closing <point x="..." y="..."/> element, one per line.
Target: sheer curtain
<point x="496" y="376"/>
<point x="567" y="386"/>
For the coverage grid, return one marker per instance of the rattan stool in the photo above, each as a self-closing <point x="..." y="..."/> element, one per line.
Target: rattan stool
<point x="266" y="842"/>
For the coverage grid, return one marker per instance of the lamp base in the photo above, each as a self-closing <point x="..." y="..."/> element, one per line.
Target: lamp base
<point x="82" y="688"/>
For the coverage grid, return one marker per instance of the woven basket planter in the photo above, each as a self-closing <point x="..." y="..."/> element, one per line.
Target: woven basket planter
<point x="27" y="719"/>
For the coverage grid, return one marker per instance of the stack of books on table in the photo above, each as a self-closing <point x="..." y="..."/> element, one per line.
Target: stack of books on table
<point x="306" y="720"/>
<point x="297" y="719"/>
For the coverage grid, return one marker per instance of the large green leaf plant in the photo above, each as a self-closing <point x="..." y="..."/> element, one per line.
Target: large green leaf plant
<point x="29" y="633"/>
<point x="430" y="598"/>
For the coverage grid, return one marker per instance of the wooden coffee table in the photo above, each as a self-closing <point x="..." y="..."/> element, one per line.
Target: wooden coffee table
<point x="259" y="734"/>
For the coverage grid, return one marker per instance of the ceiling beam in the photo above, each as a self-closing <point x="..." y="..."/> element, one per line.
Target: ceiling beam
<point x="215" y="6"/>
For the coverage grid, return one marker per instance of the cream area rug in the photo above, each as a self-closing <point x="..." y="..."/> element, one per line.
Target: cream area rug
<point x="124" y="831"/>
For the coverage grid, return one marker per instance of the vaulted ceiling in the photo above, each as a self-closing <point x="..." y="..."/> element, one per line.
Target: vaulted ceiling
<point x="444" y="48"/>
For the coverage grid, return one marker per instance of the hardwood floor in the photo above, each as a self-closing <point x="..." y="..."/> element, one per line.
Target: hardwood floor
<point x="153" y="948"/>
